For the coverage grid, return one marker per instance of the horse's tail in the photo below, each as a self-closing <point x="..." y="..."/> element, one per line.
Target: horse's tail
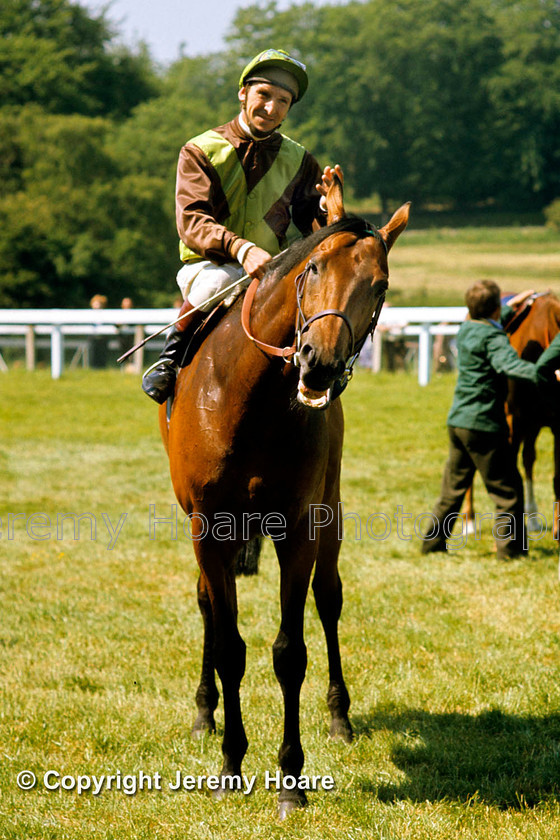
<point x="247" y="559"/>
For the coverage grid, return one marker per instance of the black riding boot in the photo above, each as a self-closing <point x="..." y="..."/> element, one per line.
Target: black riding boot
<point x="159" y="380"/>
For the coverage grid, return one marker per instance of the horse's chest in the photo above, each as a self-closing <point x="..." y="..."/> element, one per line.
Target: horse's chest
<point x="266" y="474"/>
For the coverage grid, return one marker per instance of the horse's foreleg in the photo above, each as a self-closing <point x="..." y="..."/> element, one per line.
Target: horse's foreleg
<point x="327" y="589"/>
<point x="290" y="663"/>
<point x="228" y="652"/>
<point x="207" y="693"/>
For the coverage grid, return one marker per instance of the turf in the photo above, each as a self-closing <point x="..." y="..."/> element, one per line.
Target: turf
<point x="434" y="267"/>
<point x="452" y="662"/>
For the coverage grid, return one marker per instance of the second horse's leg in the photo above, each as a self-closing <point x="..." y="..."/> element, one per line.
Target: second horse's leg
<point x="469" y="523"/>
<point x="529" y="456"/>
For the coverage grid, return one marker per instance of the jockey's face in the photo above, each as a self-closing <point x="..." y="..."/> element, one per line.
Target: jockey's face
<point x="265" y="106"/>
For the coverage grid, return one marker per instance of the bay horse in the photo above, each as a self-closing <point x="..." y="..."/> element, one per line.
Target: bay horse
<point x="254" y="441"/>
<point x="528" y="409"/>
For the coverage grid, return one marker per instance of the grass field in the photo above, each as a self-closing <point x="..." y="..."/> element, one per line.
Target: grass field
<point x="452" y="662"/>
<point x="435" y="267"/>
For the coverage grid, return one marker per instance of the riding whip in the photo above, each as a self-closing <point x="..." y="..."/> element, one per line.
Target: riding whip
<point x="144" y="341"/>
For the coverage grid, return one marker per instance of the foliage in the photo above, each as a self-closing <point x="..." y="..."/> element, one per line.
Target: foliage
<point x="445" y="103"/>
<point x="426" y="99"/>
<point x="56" y="54"/>
<point x="552" y="214"/>
<point x="75" y="223"/>
<point x="525" y="93"/>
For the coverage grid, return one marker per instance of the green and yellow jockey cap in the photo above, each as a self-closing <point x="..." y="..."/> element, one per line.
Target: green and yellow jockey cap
<point x="279" y="68"/>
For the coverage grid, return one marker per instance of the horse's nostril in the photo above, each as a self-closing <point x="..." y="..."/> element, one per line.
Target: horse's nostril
<point x="339" y="367"/>
<point x="307" y="353"/>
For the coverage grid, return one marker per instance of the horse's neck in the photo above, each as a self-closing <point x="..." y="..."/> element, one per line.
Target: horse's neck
<point x="542" y="324"/>
<point x="551" y="321"/>
<point x="554" y="318"/>
<point x="273" y="313"/>
<point x="271" y="320"/>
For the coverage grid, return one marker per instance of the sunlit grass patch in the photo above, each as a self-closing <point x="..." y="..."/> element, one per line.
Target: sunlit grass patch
<point x="451" y="661"/>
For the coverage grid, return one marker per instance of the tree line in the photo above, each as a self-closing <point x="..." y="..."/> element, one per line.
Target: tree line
<point x="440" y="102"/>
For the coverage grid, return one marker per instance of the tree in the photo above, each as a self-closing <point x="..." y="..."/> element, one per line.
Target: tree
<point x="439" y="101"/>
<point x="55" y="54"/>
<point x="73" y="221"/>
<point x="525" y="91"/>
<point x="77" y="225"/>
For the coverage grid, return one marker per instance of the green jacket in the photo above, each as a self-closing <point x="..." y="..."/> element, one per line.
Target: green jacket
<point x="486" y="359"/>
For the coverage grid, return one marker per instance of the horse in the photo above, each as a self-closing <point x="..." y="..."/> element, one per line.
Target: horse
<point x="254" y="440"/>
<point x="528" y="410"/>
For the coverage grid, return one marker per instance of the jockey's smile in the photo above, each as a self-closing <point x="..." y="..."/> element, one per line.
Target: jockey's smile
<point x="265" y="106"/>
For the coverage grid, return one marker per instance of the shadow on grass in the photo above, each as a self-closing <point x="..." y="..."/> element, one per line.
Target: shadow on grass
<point x="505" y="760"/>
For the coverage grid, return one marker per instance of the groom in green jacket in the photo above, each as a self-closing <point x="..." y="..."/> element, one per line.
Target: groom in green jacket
<point x="477" y="427"/>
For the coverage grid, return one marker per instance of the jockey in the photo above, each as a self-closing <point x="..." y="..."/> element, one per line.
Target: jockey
<point x="244" y="193"/>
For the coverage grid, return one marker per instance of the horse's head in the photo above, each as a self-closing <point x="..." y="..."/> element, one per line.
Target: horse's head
<point x="340" y="293"/>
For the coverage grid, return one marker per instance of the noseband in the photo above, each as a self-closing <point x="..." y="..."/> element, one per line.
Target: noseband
<point x="291" y="354"/>
<point x="303" y="323"/>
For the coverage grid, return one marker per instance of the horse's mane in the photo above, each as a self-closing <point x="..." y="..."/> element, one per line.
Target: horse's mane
<point x="296" y="253"/>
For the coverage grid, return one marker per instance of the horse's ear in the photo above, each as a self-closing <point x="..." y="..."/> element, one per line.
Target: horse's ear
<point x="335" y="203"/>
<point x="395" y="225"/>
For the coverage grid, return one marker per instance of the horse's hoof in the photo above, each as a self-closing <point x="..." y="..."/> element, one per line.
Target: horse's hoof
<point x="341" y="730"/>
<point x="286" y="806"/>
<point x="203" y="725"/>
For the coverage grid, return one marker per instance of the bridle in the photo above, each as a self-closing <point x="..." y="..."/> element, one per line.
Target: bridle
<point x="290" y="355"/>
<point x="303" y="323"/>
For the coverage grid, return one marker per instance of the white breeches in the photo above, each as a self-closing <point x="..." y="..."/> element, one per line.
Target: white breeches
<point x="203" y="279"/>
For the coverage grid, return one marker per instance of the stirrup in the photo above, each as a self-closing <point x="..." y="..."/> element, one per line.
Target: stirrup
<point x="165" y="361"/>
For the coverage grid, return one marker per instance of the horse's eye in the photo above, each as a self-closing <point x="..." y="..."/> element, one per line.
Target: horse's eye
<point x="311" y="266"/>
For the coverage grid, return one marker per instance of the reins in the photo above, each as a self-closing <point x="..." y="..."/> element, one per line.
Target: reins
<point x="289" y="354"/>
<point x="270" y="349"/>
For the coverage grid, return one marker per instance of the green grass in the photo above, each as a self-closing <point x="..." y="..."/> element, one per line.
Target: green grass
<point x="435" y="267"/>
<point x="452" y="662"/>
<point x="442" y="253"/>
